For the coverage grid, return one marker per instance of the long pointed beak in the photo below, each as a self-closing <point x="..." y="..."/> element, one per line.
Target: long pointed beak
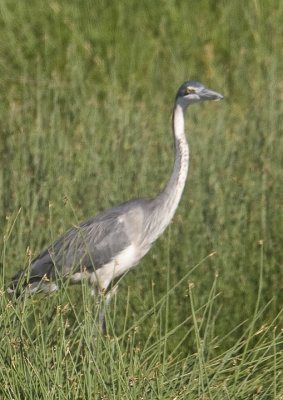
<point x="207" y="94"/>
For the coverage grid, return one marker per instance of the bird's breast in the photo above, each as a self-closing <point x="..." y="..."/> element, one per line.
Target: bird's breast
<point x="119" y="265"/>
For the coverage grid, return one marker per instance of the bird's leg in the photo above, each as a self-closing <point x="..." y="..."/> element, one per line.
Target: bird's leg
<point x="103" y="301"/>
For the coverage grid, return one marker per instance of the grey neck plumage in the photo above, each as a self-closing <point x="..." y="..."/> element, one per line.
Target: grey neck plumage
<point x="166" y="203"/>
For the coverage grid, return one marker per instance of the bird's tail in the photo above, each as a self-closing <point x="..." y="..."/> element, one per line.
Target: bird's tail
<point x="22" y="282"/>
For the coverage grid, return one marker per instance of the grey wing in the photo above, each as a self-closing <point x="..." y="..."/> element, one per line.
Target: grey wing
<point x="94" y="242"/>
<point x="89" y="245"/>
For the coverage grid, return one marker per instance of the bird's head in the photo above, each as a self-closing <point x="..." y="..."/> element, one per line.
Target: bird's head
<point x="193" y="92"/>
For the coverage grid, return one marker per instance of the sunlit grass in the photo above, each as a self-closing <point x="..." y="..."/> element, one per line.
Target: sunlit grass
<point x="86" y="96"/>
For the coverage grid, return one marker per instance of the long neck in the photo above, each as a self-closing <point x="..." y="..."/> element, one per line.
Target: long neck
<point x="167" y="202"/>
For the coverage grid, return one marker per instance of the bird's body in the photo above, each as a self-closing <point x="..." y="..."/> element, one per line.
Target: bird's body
<point x="106" y="246"/>
<point x="100" y="249"/>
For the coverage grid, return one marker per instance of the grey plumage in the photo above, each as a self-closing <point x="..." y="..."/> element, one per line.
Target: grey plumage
<point x="90" y="245"/>
<point x="104" y="247"/>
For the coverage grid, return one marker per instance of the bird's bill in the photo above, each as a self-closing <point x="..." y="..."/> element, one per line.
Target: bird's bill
<point x="207" y="94"/>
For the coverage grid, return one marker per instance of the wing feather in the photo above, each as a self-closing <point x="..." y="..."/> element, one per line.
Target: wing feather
<point x="93" y="243"/>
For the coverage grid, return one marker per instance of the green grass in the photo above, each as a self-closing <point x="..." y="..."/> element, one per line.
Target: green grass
<point x="86" y="91"/>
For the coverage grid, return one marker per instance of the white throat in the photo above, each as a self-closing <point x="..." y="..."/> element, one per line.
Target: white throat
<point x="179" y="121"/>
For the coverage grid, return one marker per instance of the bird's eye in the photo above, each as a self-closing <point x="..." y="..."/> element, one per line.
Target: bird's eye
<point x="190" y="90"/>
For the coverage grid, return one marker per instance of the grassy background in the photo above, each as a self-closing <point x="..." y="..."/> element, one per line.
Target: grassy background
<point x="86" y="94"/>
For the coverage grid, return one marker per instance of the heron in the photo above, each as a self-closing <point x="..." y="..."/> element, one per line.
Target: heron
<point x="104" y="247"/>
